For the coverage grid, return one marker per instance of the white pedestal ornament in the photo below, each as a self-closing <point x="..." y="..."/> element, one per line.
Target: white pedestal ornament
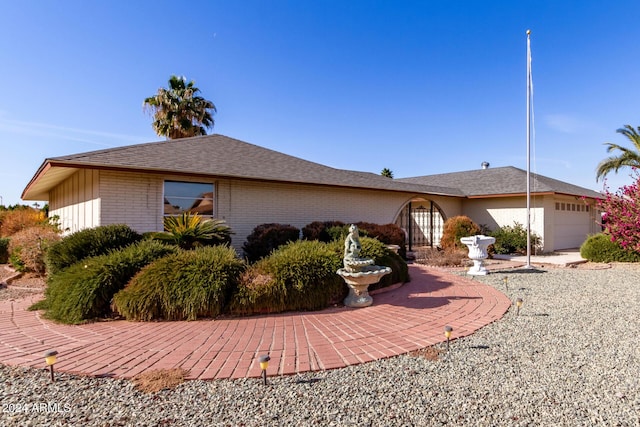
<point x="478" y="245"/>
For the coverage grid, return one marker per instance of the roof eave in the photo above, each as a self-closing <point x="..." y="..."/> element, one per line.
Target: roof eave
<point x="33" y="191"/>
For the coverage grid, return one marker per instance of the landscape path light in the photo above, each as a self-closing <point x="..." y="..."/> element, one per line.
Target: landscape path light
<point x="518" y="305"/>
<point x="50" y="360"/>
<point x="264" y="364"/>
<point x="447" y="333"/>
<point x="505" y="280"/>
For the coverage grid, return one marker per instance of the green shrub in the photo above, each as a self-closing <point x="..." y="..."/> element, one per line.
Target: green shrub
<point x="329" y="231"/>
<point x="513" y="239"/>
<point x="454" y="229"/>
<point x="182" y="286"/>
<point x="4" y="250"/>
<point x="302" y="276"/>
<point x="27" y="248"/>
<point x="600" y="248"/>
<point x="15" y="259"/>
<point x="84" y="290"/>
<point x="190" y="231"/>
<point x="87" y="243"/>
<point x="265" y="238"/>
<point x="298" y="276"/>
<point x="319" y="230"/>
<point x="338" y="233"/>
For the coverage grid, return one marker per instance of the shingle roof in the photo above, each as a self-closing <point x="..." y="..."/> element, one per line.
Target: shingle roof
<point x="500" y="181"/>
<point x="217" y="156"/>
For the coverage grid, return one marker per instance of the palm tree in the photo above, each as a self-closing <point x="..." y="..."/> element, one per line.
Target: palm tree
<point x="178" y="111"/>
<point x="387" y="172"/>
<point x="628" y="157"/>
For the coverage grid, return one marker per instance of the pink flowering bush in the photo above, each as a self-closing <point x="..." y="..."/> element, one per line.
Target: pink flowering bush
<point x="621" y="214"/>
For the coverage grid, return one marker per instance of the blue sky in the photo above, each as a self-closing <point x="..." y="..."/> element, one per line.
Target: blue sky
<point x="419" y="87"/>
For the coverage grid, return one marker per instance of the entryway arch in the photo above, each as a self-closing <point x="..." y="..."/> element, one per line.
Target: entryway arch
<point x="423" y="222"/>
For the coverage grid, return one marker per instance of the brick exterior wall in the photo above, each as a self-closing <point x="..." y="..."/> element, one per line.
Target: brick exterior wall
<point x="246" y="204"/>
<point x="131" y="198"/>
<point x="90" y="198"/>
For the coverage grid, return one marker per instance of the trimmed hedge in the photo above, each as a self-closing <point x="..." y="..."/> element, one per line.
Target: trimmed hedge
<point x="182" y="286"/>
<point x="302" y="276"/>
<point x="329" y="231"/>
<point x="600" y="248"/>
<point x="319" y="230"/>
<point x="87" y="243"/>
<point x="389" y="234"/>
<point x="265" y="238"/>
<point x="84" y="290"/>
<point x="299" y="276"/>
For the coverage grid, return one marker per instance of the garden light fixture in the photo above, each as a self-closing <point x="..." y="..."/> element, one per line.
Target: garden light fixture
<point x="264" y="364"/>
<point x="50" y="360"/>
<point x="505" y="280"/>
<point x="518" y="305"/>
<point x="447" y="333"/>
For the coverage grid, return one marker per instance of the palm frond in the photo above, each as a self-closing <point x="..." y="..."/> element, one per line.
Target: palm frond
<point x="628" y="157"/>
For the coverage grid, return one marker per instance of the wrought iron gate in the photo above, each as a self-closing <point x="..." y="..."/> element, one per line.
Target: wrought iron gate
<point x="423" y="222"/>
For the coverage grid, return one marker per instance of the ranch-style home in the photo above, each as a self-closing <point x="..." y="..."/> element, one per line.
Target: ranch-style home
<point x="247" y="185"/>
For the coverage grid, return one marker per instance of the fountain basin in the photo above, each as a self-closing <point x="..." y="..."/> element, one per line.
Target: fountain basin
<point x="359" y="281"/>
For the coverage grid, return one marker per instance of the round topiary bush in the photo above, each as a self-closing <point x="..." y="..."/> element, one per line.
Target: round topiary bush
<point x="88" y="243"/>
<point x="265" y="238"/>
<point x="83" y="291"/>
<point x="183" y="286"/>
<point x="601" y="248"/>
<point x="298" y="276"/>
<point x="455" y="228"/>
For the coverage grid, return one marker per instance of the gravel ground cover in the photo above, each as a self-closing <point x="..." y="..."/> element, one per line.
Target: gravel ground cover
<point x="570" y="358"/>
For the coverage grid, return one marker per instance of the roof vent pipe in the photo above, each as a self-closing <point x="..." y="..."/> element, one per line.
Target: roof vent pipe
<point x="485" y="165"/>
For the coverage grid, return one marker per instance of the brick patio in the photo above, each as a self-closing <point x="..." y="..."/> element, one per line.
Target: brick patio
<point x="407" y="318"/>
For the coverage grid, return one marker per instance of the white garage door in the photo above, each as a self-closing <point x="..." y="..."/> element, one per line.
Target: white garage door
<point x="572" y="224"/>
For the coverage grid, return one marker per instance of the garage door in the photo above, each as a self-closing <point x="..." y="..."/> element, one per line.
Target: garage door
<point x="572" y="224"/>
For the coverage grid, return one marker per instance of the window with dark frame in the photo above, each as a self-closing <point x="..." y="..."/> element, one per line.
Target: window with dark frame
<point x="191" y="197"/>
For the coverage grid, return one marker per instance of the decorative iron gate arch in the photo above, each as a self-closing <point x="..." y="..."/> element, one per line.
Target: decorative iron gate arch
<point x="423" y="222"/>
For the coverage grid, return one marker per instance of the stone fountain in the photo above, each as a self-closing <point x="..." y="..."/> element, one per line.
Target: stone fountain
<point x="478" y="245"/>
<point x="358" y="273"/>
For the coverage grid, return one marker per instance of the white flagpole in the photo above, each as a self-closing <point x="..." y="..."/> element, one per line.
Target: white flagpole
<point x="528" y="149"/>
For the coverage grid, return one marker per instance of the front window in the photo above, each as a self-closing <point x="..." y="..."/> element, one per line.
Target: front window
<point x="192" y="197"/>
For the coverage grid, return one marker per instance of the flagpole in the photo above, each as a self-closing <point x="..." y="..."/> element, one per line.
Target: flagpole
<point x="528" y="149"/>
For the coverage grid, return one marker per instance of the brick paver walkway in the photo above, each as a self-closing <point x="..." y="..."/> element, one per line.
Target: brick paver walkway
<point x="407" y="318"/>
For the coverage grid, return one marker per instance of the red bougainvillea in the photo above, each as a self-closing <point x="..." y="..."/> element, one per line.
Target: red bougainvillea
<point x="621" y="214"/>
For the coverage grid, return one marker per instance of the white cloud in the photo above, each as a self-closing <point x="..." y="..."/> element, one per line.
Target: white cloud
<point x="68" y="133"/>
<point x="567" y="123"/>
